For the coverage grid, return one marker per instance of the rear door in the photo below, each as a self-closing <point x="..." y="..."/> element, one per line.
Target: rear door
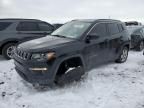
<point x="45" y="28"/>
<point x="98" y="49"/>
<point x="27" y="30"/>
<point x="5" y="32"/>
<point x="116" y="36"/>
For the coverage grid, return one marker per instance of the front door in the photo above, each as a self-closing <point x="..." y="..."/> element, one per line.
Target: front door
<point x="116" y="36"/>
<point x="98" y="48"/>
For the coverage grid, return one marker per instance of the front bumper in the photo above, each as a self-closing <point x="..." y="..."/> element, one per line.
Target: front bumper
<point x="23" y="68"/>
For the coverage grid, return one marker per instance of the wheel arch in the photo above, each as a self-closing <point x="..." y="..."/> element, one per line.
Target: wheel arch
<point x="78" y="58"/>
<point x="127" y="44"/>
<point x="7" y="42"/>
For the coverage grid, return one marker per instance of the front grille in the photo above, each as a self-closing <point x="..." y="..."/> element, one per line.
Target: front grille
<point x="22" y="54"/>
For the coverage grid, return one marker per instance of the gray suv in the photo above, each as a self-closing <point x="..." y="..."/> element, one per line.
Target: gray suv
<point x="14" y="31"/>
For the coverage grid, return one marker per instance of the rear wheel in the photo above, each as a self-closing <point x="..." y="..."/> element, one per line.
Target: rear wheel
<point x="123" y="56"/>
<point x="140" y="46"/>
<point x="8" y="50"/>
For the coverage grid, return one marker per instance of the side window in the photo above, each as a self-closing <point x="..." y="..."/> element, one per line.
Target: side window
<point x="45" y="26"/>
<point x="113" y="28"/>
<point x="121" y="28"/>
<point x="99" y="29"/>
<point x="27" y="26"/>
<point x="4" y="25"/>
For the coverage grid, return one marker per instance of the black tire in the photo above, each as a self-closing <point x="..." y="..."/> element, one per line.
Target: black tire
<point x="123" y="56"/>
<point x="5" y="50"/>
<point x="140" y="46"/>
<point x="71" y="76"/>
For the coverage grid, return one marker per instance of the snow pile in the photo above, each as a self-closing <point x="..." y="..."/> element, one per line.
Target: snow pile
<point x="109" y="86"/>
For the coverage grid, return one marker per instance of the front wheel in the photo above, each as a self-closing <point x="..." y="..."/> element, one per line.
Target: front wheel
<point x="71" y="75"/>
<point x="123" y="56"/>
<point x="8" y="50"/>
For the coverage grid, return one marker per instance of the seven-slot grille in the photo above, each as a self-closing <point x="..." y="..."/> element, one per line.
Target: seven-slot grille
<point x="23" y="55"/>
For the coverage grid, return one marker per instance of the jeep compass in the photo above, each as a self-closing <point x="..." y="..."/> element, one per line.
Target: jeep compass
<point x="70" y="51"/>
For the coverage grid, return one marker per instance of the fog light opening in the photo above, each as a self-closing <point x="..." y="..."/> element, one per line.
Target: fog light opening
<point x="38" y="69"/>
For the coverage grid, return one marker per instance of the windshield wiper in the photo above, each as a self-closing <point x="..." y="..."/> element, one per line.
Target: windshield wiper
<point x="60" y="36"/>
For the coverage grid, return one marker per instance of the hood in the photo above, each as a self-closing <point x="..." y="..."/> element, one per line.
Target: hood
<point x="43" y="44"/>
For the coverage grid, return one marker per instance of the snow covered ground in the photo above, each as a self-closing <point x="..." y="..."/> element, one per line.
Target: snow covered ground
<point x="109" y="86"/>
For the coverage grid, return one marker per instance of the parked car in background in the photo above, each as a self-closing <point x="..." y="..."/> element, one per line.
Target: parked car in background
<point x="133" y="23"/>
<point x="72" y="50"/>
<point x="56" y="26"/>
<point x="14" y="31"/>
<point x="137" y="37"/>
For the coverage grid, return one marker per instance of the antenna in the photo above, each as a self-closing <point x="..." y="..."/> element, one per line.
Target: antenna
<point x="109" y="17"/>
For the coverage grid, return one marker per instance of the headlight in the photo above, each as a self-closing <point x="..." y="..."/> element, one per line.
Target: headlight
<point x="47" y="56"/>
<point x="51" y="55"/>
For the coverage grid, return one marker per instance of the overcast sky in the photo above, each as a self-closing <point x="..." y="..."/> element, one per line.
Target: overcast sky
<point x="64" y="10"/>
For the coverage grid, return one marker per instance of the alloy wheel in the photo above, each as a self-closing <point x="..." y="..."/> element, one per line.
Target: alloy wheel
<point x="124" y="54"/>
<point x="10" y="51"/>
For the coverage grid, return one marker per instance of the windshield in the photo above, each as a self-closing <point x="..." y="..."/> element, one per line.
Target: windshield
<point x="72" y="29"/>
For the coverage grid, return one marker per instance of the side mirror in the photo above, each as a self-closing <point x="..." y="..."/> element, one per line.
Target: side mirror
<point x="91" y="37"/>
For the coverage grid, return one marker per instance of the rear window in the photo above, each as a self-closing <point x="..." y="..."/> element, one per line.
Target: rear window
<point x="4" y="25"/>
<point x="45" y="26"/>
<point x="27" y="26"/>
<point x="113" y="28"/>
